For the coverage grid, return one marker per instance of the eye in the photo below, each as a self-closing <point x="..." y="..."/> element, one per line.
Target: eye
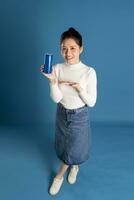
<point x="64" y="49"/>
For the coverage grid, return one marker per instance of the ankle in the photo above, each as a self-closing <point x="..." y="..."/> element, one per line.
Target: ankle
<point x="59" y="176"/>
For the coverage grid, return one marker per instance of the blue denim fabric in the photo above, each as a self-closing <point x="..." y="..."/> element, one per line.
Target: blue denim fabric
<point x="72" y="134"/>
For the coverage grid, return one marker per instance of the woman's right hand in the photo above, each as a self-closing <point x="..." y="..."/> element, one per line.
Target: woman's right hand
<point x="51" y="77"/>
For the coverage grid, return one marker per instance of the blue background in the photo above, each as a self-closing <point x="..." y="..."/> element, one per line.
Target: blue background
<point x="28" y="161"/>
<point x="30" y="28"/>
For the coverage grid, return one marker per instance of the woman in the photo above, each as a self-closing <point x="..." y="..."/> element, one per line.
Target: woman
<point x="73" y="86"/>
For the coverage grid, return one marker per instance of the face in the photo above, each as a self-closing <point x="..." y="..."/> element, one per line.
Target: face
<point x="71" y="51"/>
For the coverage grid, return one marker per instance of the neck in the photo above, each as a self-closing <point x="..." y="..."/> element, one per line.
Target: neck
<point x="74" y="63"/>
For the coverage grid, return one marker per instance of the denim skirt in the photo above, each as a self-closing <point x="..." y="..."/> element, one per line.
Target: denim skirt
<point x="72" y="134"/>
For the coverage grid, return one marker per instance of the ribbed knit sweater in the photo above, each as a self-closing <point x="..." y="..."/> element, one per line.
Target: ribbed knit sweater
<point x="68" y="96"/>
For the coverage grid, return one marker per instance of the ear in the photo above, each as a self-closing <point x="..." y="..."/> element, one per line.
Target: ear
<point x="61" y="51"/>
<point x="81" y="49"/>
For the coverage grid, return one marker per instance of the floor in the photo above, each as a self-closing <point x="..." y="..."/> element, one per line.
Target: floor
<point x="28" y="163"/>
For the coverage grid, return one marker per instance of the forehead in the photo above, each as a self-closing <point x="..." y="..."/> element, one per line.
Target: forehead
<point x="69" y="42"/>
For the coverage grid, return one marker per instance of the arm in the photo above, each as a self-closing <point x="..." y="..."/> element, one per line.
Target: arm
<point x="90" y="95"/>
<point x="55" y="91"/>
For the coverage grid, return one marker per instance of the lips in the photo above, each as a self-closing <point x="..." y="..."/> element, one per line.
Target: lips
<point x="69" y="58"/>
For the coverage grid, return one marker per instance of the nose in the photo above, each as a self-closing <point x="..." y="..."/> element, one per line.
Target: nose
<point x="68" y="52"/>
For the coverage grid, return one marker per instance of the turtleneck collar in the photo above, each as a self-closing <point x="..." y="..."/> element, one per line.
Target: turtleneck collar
<point x="73" y="65"/>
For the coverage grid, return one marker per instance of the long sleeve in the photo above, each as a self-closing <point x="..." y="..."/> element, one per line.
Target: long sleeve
<point x="55" y="92"/>
<point x="90" y="95"/>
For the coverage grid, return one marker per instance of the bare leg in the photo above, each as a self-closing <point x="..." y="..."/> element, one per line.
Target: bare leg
<point x="62" y="170"/>
<point x="75" y="166"/>
<point x="58" y="180"/>
<point x="73" y="174"/>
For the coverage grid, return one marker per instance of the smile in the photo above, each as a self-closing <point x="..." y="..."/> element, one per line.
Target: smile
<point x="69" y="58"/>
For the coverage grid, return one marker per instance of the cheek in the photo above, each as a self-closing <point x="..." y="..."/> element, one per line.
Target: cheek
<point x="77" y="54"/>
<point x="62" y="53"/>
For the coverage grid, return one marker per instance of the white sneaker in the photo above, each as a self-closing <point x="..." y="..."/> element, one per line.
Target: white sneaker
<point x="56" y="185"/>
<point x="72" y="175"/>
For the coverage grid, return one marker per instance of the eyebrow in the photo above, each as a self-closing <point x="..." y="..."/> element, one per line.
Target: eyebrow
<point x="70" y="46"/>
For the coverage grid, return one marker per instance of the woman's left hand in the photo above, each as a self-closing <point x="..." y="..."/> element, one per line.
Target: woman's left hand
<point x="76" y="86"/>
<point x="73" y="84"/>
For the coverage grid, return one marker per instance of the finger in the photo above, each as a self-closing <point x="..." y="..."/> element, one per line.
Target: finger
<point x="60" y="81"/>
<point x="72" y="84"/>
<point x="41" y="67"/>
<point x="64" y="82"/>
<point x="46" y="75"/>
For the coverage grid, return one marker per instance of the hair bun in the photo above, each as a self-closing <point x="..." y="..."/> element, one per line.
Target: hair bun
<point x="72" y="33"/>
<point x="71" y="29"/>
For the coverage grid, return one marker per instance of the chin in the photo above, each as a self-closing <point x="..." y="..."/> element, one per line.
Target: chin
<point x="71" y="62"/>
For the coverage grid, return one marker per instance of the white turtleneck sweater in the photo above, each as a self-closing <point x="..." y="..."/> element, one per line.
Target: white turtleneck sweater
<point x="69" y="97"/>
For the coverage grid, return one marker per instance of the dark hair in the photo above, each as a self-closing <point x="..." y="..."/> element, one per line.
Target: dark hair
<point x="72" y="33"/>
